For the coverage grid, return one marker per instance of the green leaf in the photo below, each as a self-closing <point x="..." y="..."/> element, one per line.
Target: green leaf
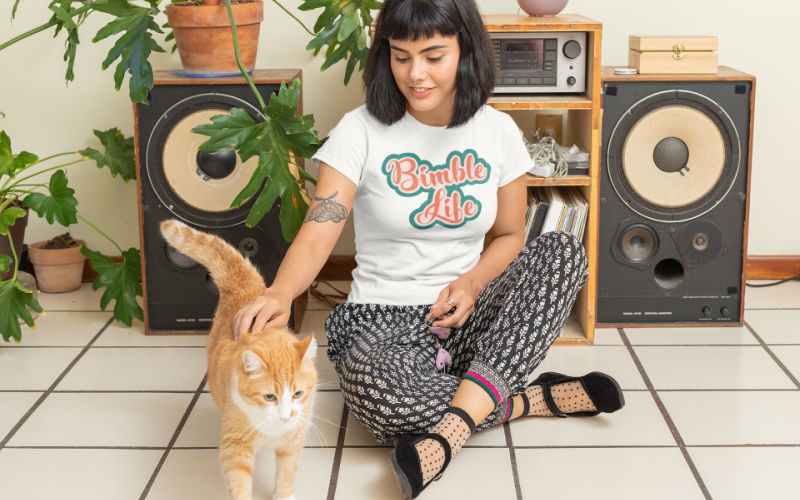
<point x="273" y="141"/>
<point x="121" y="281"/>
<point x="118" y="153"/>
<point x="349" y="25"/>
<point x="133" y="48"/>
<point x="10" y="164"/>
<point x="8" y="217"/>
<point x="5" y="263"/>
<point x="15" y="302"/>
<point x="59" y="206"/>
<point x="64" y="17"/>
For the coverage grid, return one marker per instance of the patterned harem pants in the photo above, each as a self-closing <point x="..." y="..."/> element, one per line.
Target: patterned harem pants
<point x="385" y="356"/>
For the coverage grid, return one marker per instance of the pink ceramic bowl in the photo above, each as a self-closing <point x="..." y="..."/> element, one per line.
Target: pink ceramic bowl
<point x="542" y="7"/>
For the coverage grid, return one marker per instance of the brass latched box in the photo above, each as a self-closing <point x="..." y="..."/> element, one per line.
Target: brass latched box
<point x="673" y="54"/>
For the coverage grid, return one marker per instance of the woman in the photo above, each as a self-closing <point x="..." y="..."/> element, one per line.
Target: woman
<point x="439" y="335"/>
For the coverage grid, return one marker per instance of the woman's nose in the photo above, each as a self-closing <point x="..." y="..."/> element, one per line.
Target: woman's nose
<point x="418" y="70"/>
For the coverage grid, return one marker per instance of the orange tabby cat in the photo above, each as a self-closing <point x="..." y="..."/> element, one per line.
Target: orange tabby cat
<point x="262" y="383"/>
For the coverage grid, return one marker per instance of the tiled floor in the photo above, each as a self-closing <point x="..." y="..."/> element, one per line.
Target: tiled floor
<point x="90" y="409"/>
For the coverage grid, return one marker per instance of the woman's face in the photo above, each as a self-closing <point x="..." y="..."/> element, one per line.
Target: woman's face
<point x="425" y="72"/>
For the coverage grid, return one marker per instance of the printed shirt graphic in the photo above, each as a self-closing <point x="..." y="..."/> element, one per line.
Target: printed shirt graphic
<point x="426" y="198"/>
<point x="446" y="204"/>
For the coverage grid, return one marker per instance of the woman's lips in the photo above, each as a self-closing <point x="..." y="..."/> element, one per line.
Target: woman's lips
<point x="420" y="94"/>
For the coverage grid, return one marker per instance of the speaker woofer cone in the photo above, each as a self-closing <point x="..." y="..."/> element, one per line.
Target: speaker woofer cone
<point x="638" y="243"/>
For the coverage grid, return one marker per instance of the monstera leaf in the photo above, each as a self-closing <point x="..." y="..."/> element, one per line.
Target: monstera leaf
<point x="121" y="281"/>
<point x="281" y="136"/>
<point x="59" y="205"/>
<point x="118" y="153"/>
<point x="16" y="303"/>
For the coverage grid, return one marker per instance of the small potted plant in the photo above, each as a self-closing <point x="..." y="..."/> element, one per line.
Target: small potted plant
<point x="58" y="263"/>
<point x="54" y="201"/>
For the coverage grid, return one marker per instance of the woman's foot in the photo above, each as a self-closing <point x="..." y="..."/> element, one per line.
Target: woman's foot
<point x="420" y="460"/>
<point x="555" y="394"/>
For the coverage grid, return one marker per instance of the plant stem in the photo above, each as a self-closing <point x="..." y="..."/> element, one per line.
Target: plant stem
<point x="295" y="18"/>
<point x="42" y="160"/>
<point x="43" y="171"/>
<point x="101" y="232"/>
<point x="14" y="255"/>
<point x="43" y="27"/>
<point x="239" y="59"/>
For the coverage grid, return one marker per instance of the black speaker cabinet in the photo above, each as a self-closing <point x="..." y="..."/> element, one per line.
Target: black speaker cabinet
<point x="674" y="198"/>
<point x="176" y="180"/>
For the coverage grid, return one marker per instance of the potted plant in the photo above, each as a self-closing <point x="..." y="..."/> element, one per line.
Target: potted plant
<point x="342" y="29"/>
<point x="58" y="263"/>
<point x="54" y="201"/>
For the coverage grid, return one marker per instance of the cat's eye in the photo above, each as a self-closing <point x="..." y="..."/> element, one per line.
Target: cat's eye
<point x="269" y="397"/>
<point x="298" y="394"/>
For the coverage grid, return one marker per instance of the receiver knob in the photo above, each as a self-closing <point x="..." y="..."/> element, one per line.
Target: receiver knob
<point x="572" y="49"/>
<point x="706" y="311"/>
<point x="571" y="81"/>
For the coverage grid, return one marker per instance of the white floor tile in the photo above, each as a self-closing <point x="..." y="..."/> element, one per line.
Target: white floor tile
<point x="119" y="335"/>
<point x="137" y="369"/>
<point x="203" y="426"/>
<point x="714" y="367"/>
<point x="59" y="328"/>
<point x="790" y="357"/>
<point x="358" y="435"/>
<point x="775" y="326"/>
<point x="748" y="472"/>
<point x="326" y="374"/>
<point x="314" y="322"/>
<point x="607" y="336"/>
<point x="690" y="335"/>
<point x="14" y="405"/>
<point x="618" y="473"/>
<point x="639" y="422"/>
<point x="72" y="474"/>
<point x="783" y="296"/>
<point x="196" y="474"/>
<point x="366" y="473"/>
<point x="103" y="420"/>
<point x="493" y="436"/>
<point x="34" y="368"/>
<point x="735" y="417"/>
<point x="580" y="360"/>
<point x="82" y="299"/>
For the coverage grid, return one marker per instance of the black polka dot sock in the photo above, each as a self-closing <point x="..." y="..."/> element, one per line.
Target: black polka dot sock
<point x="569" y="397"/>
<point x="456" y="426"/>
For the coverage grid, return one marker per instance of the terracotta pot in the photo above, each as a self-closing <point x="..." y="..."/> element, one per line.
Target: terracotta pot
<point x="57" y="270"/>
<point x="542" y="7"/>
<point x="205" y="39"/>
<point x="18" y="236"/>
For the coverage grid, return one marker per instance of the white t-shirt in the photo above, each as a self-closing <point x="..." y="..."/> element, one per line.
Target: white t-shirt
<point x="426" y="197"/>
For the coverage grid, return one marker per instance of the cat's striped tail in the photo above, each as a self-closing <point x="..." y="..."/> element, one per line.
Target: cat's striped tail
<point x="229" y="269"/>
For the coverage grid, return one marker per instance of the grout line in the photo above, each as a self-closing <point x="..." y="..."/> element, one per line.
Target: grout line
<point x="664" y="413"/>
<point x="773" y="356"/>
<point x="513" y="456"/>
<point x="174" y="437"/>
<point x="337" y="456"/>
<point x="55" y="383"/>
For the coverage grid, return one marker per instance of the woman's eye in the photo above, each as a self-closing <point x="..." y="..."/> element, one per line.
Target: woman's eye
<point x="298" y="394"/>
<point x="401" y="59"/>
<point x="269" y="397"/>
<point x="435" y="59"/>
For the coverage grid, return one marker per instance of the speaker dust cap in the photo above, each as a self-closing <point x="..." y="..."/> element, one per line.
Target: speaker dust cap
<point x="198" y="186"/>
<point x="673" y="156"/>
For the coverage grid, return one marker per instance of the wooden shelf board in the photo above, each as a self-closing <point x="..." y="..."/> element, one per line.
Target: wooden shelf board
<point x="567" y="180"/>
<point x="561" y="22"/>
<point x="510" y="102"/>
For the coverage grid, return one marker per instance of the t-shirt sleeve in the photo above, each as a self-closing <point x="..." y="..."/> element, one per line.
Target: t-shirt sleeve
<point x="346" y="148"/>
<point x="516" y="160"/>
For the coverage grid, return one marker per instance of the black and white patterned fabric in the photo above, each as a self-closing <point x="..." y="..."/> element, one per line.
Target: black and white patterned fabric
<point x="385" y="356"/>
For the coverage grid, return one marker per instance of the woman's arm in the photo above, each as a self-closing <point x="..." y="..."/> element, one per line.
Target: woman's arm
<point x="322" y="226"/>
<point x="508" y="237"/>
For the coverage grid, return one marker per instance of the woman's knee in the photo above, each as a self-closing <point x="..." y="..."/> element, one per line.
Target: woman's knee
<point x="569" y="250"/>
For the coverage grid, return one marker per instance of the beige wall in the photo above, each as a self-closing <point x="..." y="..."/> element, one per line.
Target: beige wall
<point x="46" y="116"/>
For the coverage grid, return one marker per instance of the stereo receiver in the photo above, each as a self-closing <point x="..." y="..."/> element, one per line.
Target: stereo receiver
<point x="539" y="62"/>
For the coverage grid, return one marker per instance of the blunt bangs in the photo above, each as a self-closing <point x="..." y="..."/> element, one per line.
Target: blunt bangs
<point x="415" y="19"/>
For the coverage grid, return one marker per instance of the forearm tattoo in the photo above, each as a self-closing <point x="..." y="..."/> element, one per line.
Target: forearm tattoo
<point x="327" y="209"/>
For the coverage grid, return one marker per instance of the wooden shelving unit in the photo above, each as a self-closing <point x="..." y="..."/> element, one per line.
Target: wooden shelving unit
<point x="583" y="128"/>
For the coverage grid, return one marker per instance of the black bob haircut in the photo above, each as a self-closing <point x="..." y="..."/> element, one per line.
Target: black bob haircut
<point x="420" y="19"/>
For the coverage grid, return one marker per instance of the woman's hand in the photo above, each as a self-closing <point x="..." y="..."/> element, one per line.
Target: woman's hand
<point x="268" y="310"/>
<point x="455" y="302"/>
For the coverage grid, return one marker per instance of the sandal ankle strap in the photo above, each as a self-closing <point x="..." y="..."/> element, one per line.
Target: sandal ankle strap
<point x="551" y="403"/>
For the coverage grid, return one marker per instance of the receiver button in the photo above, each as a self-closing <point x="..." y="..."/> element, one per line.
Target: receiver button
<point x="572" y="49"/>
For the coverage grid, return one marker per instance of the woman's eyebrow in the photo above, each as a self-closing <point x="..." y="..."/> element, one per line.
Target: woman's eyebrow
<point x="427" y="49"/>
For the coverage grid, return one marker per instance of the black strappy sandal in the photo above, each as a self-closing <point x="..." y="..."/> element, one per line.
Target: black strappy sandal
<point x="407" y="468"/>
<point x="602" y="389"/>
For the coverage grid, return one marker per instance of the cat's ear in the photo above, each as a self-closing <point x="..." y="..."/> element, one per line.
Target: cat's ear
<point x="252" y="363"/>
<point x="307" y="348"/>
